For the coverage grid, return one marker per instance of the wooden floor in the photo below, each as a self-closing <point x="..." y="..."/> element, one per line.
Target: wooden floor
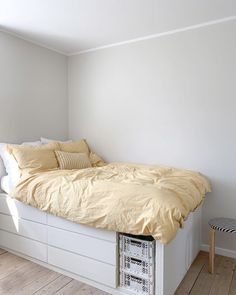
<point x="19" y="276"/>
<point x="22" y="277"/>
<point x="199" y="282"/>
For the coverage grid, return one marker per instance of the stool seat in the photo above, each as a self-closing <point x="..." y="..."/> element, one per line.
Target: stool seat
<point x="223" y="224"/>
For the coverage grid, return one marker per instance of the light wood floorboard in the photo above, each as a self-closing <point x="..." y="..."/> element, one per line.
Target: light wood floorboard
<point x="19" y="276"/>
<point x="198" y="281"/>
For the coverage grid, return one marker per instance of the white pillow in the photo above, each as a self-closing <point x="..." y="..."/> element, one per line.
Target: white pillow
<point x="6" y="185"/>
<point x="2" y="170"/>
<point x="45" y="140"/>
<point x="10" y="163"/>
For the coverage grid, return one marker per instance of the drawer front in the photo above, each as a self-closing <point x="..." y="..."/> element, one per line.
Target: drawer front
<point x="81" y="229"/>
<point x="26" y="228"/>
<point x="23" y="245"/>
<point x="16" y="208"/>
<point x="84" y="245"/>
<point x="83" y="266"/>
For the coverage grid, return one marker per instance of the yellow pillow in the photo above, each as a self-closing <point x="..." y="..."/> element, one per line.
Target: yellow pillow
<point x="75" y="146"/>
<point x="35" y="159"/>
<point x="81" y="146"/>
<point x="96" y="160"/>
<point x="72" y="160"/>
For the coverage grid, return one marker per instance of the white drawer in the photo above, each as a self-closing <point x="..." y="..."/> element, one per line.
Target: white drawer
<point x="84" y="245"/>
<point x="83" y="266"/>
<point x="23" y="245"/>
<point x="26" y="228"/>
<point x="16" y="208"/>
<point x="82" y="229"/>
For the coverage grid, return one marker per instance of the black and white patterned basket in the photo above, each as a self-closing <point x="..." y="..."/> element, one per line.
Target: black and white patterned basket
<point x="137" y="264"/>
<point x="136" y="284"/>
<point x="137" y="247"/>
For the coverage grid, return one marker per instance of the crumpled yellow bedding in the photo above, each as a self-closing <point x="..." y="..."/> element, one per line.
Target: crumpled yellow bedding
<point x="128" y="198"/>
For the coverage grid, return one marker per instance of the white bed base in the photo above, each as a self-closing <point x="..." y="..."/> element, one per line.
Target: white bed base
<point x="87" y="254"/>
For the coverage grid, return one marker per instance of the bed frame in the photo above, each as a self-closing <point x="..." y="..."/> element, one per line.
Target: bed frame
<point x="88" y="254"/>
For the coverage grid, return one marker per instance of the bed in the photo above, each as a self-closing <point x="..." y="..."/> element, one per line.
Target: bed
<point x="89" y="252"/>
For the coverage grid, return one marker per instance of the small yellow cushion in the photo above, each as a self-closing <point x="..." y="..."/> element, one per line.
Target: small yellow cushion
<point x="35" y="159"/>
<point x="72" y="160"/>
<point x="96" y="160"/>
<point x="80" y="146"/>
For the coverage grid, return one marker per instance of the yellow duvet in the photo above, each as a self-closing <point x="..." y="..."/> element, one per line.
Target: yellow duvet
<point x="128" y="198"/>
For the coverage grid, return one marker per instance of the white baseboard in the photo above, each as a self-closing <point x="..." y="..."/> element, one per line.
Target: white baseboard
<point x="220" y="251"/>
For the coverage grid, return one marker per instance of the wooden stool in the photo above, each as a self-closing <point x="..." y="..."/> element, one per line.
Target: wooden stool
<point x="221" y="224"/>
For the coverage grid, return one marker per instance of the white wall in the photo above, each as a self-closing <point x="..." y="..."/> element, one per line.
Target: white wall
<point x="33" y="91"/>
<point x="169" y="100"/>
